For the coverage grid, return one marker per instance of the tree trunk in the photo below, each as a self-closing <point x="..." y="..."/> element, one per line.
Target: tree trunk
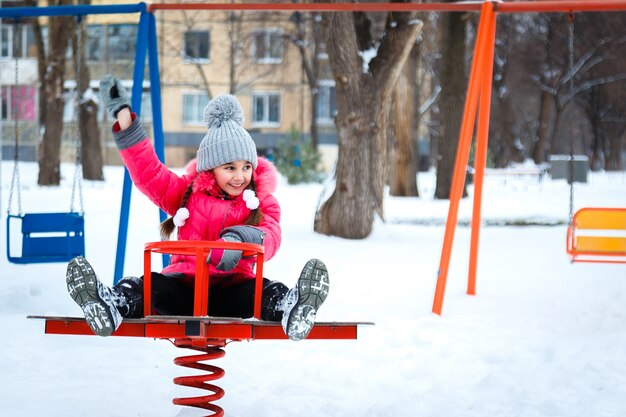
<point x="50" y="147"/>
<point x="349" y="212"/>
<point x="91" y="150"/>
<point x="543" y="129"/>
<point x="613" y="160"/>
<point x="403" y="152"/>
<point x="363" y="100"/>
<point x="59" y="28"/>
<point x="553" y="144"/>
<point x="596" y="161"/>
<point x="88" y="128"/>
<point x="453" y="85"/>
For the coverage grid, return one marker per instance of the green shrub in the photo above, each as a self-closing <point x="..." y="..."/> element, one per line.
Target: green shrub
<point x="297" y="159"/>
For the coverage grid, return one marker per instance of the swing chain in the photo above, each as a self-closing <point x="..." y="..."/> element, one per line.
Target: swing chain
<point x="15" y="179"/>
<point x="570" y="47"/>
<point x="78" y="96"/>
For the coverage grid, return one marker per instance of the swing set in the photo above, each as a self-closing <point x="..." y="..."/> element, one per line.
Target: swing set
<point x="45" y="237"/>
<point x="209" y="334"/>
<point x="594" y="234"/>
<point x="477" y="109"/>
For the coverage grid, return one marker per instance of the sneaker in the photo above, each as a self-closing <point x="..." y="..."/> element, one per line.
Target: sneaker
<point x="301" y="302"/>
<point x="96" y="299"/>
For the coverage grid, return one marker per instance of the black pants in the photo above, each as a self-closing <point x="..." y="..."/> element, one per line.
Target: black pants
<point x="170" y="296"/>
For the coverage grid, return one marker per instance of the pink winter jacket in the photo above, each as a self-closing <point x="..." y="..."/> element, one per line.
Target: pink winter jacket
<point x="210" y="211"/>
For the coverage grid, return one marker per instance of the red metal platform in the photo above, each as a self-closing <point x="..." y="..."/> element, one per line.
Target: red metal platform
<point x="204" y="328"/>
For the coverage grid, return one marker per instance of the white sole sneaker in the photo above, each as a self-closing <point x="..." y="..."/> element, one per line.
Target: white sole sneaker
<point x="302" y="301"/>
<point x="92" y="297"/>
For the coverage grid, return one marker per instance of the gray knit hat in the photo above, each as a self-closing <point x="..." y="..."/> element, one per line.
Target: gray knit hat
<point x="227" y="140"/>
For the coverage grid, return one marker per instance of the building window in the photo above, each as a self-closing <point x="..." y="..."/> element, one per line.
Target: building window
<point x="193" y="108"/>
<point x="326" y="102"/>
<point x="19" y="103"/>
<point x="197" y="45"/>
<point x="122" y="40"/>
<point x="265" y="109"/>
<point x="17" y="42"/>
<point x="267" y="46"/>
<point x="95" y="43"/>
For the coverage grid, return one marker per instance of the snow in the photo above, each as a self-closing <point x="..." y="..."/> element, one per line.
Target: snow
<point x="542" y="337"/>
<point x="367" y="56"/>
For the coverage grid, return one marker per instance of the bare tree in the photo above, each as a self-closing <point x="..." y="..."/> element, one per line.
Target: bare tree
<point x="452" y="76"/>
<point x="561" y="84"/>
<point x="604" y="102"/>
<point x="51" y="93"/>
<point x="504" y="134"/>
<point x="364" y="95"/>
<point x="404" y="122"/>
<point x="90" y="149"/>
<point x="244" y="33"/>
<point x="308" y="39"/>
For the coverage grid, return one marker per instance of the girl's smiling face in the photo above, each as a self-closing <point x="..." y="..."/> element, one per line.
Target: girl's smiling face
<point x="234" y="177"/>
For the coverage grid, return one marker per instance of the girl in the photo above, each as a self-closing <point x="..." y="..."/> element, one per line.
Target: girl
<point x="225" y="195"/>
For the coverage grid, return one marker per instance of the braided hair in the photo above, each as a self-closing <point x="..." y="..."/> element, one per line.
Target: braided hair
<point x="256" y="216"/>
<point x="167" y="226"/>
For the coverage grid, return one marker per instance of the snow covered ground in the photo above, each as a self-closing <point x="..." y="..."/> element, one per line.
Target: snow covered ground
<point x="542" y="337"/>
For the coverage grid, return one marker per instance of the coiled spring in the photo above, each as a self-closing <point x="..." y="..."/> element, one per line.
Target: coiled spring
<point x="201" y="381"/>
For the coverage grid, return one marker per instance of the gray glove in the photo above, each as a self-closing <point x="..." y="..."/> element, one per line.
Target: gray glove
<point x="225" y="260"/>
<point x="113" y="94"/>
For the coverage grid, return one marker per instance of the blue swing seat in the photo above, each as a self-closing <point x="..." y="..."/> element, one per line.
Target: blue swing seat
<point x="48" y="237"/>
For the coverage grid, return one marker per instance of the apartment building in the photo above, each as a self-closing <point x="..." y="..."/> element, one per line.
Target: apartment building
<point x="201" y="54"/>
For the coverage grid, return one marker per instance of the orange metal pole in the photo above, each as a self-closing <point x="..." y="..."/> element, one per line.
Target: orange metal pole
<point x="462" y="156"/>
<point x="482" y="139"/>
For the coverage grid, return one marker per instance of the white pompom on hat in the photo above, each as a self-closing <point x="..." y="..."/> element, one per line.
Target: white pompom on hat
<point x="227" y="140"/>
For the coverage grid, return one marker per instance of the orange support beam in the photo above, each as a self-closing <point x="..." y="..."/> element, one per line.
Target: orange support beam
<point x="482" y="139"/>
<point x="476" y="81"/>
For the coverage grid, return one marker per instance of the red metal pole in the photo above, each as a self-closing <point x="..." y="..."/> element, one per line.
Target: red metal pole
<point x="198" y="288"/>
<point x="323" y="7"/>
<point x="462" y="156"/>
<point x="147" y="283"/>
<point x="482" y="139"/>
<point x="258" y="286"/>
<point x="566" y="6"/>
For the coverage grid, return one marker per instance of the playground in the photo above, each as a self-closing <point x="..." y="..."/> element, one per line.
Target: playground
<point x="541" y="337"/>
